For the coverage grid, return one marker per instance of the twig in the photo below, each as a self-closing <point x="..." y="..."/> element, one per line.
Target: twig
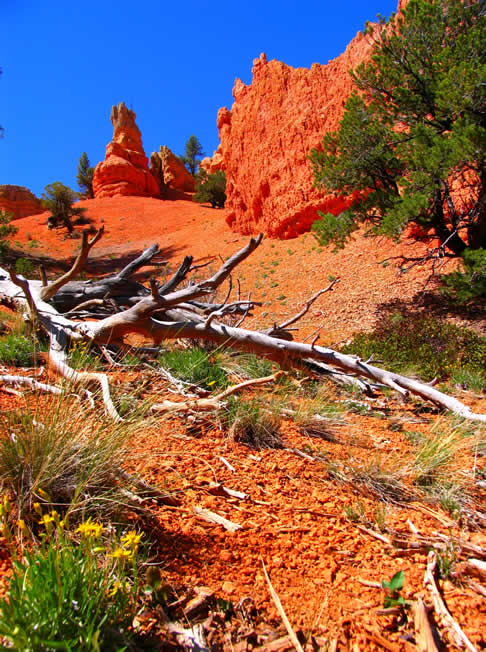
<point x="281" y="611"/>
<point x="376" y="535"/>
<point x="307" y="305"/>
<point x="217" y="519"/>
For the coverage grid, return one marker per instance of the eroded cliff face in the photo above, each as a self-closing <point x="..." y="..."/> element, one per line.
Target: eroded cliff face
<point x="19" y="201"/>
<point x="268" y="134"/>
<point x="125" y="168"/>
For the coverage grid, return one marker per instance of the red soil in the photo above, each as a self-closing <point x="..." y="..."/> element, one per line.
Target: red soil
<point x="293" y="518"/>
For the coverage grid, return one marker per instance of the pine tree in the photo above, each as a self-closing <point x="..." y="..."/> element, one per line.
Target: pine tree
<point x="85" y="177"/>
<point x="211" y="188"/>
<point x="192" y="154"/>
<point x="59" y="199"/>
<point x="414" y="131"/>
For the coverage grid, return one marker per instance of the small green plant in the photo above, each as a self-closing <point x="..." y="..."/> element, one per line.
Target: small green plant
<point x="468" y="379"/>
<point x="435" y="454"/>
<point x="392" y="589"/>
<point x="447" y="559"/>
<point x="17" y="350"/>
<point x="249" y="365"/>
<point x="195" y="366"/>
<point x="71" y="596"/>
<point x="356" y="513"/>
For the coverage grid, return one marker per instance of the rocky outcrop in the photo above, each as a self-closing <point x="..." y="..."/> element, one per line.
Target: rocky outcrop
<point x="212" y="164"/>
<point x="125" y="168"/>
<point x="19" y="201"/>
<point x="268" y="134"/>
<point x="170" y="172"/>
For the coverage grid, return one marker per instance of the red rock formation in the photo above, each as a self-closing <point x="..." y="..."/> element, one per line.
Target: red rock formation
<point x="19" y="201"/>
<point x="213" y="163"/>
<point x="267" y="136"/>
<point x="170" y="172"/>
<point x="125" y="168"/>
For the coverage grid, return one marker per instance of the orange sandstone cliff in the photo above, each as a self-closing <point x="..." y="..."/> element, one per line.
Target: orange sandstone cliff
<point x="267" y="136"/>
<point x="19" y="201"/>
<point x="125" y="168"/>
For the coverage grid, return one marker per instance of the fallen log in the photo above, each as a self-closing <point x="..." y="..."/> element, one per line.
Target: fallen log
<point x="170" y="312"/>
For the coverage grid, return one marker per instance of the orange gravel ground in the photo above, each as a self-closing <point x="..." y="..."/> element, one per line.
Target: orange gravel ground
<point x="293" y="516"/>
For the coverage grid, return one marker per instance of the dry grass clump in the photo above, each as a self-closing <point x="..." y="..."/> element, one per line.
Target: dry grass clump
<point x="59" y="454"/>
<point x="254" y="424"/>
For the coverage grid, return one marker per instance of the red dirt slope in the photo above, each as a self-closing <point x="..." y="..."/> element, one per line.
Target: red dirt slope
<point x="282" y="274"/>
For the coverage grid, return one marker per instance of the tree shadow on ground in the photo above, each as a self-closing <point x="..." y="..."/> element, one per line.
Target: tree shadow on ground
<point x="113" y="263"/>
<point x="95" y="266"/>
<point x="436" y="304"/>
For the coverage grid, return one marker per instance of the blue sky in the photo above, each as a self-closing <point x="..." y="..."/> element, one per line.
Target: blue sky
<point x="66" y="63"/>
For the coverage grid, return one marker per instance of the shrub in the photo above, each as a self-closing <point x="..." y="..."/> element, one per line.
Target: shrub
<point x="429" y="346"/>
<point x="25" y="267"/>
<point x="6" y="229"/>
<point x="470" y="282"/>
<point x="17" y="350"/>
<point x="195" y="366"/>
<point x="69" y="596"/>
<point x="211" y="188"/>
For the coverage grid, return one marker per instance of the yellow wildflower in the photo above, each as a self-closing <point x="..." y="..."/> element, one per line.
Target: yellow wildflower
<point x="121" y="553"/>
<point x="46" y="520"/>
<point x="132" y="539"/>
<point x="119" y="586"/>
<point x="90" y="530"/>
<point x="43" y="494"/>
<point x="38" y="509"/>
<point x="21" y="525"/>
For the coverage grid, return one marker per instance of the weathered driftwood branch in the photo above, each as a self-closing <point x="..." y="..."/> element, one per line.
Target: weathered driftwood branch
<point x="424" y="636"/>
<point x="120" y="287"/>
<point x="52" y="288"/>
<point x="31" y="383"/>
<point x="170" y="313"/>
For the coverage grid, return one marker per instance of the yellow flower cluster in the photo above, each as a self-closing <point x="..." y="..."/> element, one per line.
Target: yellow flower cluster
<point x="131" y="541"/>
<point x="48" y="519"/>
<point x="90" y="530"/>
<point x="119" y="586"/>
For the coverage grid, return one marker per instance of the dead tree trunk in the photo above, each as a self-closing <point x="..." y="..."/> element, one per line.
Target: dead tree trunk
<point x="170" y="313"/>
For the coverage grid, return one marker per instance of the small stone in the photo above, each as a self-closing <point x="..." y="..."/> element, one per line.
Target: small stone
<point x="228" y="587"/>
